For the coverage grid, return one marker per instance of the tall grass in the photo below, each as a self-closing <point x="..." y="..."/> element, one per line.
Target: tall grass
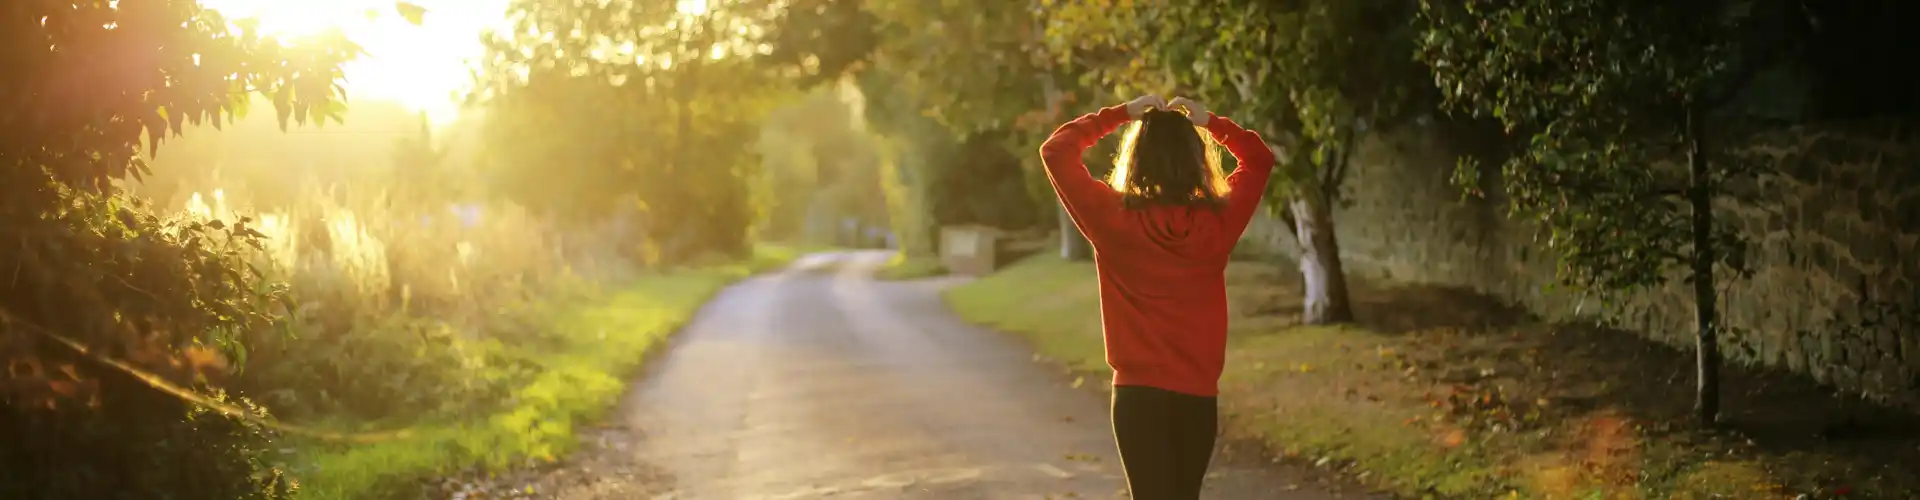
<point x="459" y="320"/>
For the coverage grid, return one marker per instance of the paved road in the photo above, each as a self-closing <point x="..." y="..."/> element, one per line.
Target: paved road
<point x="820" y="382"/>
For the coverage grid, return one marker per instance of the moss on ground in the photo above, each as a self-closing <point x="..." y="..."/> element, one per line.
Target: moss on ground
<point x="1436" y="393"/>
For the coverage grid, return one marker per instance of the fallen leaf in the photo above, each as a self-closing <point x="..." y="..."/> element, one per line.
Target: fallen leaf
<point x="1454" y="438"/>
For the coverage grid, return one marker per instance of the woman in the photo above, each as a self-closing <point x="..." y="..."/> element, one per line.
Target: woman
<point x="1161" y="229"/>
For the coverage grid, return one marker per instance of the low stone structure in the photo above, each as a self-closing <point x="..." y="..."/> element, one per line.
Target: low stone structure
<point x="1832" y="295"/>
<point x="969" y="250"/>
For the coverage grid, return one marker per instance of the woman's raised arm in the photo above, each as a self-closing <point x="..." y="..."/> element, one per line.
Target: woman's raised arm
<point x="1248" y="182"/>
<point x="1082" y="194"/>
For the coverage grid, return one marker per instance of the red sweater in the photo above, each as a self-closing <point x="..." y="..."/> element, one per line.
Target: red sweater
<point x="1163" y="290"/>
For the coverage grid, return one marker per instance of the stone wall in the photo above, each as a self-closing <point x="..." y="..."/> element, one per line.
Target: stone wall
<point x="1832" y="292"/>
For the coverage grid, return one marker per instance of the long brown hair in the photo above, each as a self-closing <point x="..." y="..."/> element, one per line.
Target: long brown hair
<point x="1165" y="160"/>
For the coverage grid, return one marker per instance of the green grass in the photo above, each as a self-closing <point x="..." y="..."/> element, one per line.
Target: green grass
<point x="902" y="267"/>
<point x="1053" y="303"/>
<point x="602" y="341"/>
<point x="1273" y="389"/>
<point x="1378" y="407"/>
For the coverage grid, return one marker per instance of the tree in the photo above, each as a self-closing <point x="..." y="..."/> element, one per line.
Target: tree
<point x="98" y="276"/>
<point x="977" y="70"/>
<point x="653" y="106"/>
<point x="820" y="164"/>
<point x="421" y="172"/>
<point x="1603" y="94"/>
<point x="1312" y="76"/>
<point x="911" y="144"/>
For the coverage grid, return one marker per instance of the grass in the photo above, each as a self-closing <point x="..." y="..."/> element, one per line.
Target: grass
<point x="602" y="341"/>
<point x="903" y="267"/>
<point x="1436" y="393"/>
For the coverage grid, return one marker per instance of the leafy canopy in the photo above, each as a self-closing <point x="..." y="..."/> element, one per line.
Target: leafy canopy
<point x="1600" y="90"/>
<point x="86" y="86"/>
<point x="1308" y="74"/>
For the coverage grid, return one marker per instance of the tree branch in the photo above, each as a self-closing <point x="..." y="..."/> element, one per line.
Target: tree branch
<point x="1330" y="186"/>
<point x="1286" y="217"/>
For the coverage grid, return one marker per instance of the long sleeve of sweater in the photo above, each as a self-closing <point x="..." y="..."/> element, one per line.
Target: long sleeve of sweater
<point x="1088" y="201"/>
<point x="1248" y="183"/>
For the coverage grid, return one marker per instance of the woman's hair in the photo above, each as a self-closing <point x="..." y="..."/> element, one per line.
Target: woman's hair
<point x="1165" y="160"/>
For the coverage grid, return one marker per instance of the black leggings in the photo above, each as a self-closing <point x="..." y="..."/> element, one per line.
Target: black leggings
<point x="1166" y="440"/>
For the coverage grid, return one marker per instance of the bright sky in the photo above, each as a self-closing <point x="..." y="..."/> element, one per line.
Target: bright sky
<point x="424" y="67"/>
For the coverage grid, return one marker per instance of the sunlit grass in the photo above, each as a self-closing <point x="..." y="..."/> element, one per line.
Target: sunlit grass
<point x="1048" y="300"/>
<point x="1377" y="406"/>
<point x="462" y="325"/>
<point x="603" y="340"/>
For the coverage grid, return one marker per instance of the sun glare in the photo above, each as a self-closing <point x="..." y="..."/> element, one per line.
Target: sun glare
<point x="423" y="67"/>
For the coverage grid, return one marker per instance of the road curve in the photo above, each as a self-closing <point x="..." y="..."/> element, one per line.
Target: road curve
<point x="821" y="382"/>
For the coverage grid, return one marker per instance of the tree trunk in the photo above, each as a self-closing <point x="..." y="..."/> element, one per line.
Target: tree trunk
<point x="1073" y="245"/>
<point x="1325" y="279"/>
<point x="1706" y="403"/>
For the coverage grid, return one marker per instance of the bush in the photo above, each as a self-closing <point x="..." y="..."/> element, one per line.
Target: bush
<point x="171" y="297"/>
<point x="139" y="443"/>
<point x="401" y="312"/>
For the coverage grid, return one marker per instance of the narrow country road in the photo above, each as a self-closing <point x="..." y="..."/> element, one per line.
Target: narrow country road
<point x="821" y="382"/>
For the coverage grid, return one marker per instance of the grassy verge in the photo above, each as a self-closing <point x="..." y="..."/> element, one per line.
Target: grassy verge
<point x="577" y="374"/>
<point x="902" y="267"/>
<point x="1439" y="394"/>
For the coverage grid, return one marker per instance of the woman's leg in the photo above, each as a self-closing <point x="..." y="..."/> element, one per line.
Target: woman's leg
<point x="1196" y="422"/>
<point x="1143" y="429"/>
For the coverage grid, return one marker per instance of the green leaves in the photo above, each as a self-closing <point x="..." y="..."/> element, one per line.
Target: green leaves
<point x="566" y="100"/>
<point x="170" y="283"/>
<point x="411" y="12"/>
<point x="1595" y="88"/>
<point x="1304" y="74"/>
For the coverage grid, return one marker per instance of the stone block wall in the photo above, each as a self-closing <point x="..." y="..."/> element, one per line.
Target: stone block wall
<point x="1833" y="228"/>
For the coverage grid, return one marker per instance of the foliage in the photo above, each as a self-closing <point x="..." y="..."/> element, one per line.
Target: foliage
<point x="911" y="144"/>
<point x="86" y="87"/>
<point x="587" y="343"/>
<point x="822" y="163"/>
<point x="1605" y="91"/>
<point x="263" y="166"/>
<point x="422" y="171"/>
<point x="120" y="451"/>
<point x="971" y="67"/>
<point x="465" y="329"/>
<point x="981" y="183"/>
<point x="388" y="300"/>
<point x="1599" y="88"/>
<point x="697" y="82"/>
<point x="1312" y="77"/>
<point x="937" y="75"/>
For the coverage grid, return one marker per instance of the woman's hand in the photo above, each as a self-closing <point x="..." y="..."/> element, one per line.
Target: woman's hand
<point x="1196" y="112"/>
<point x="1139" y="105"/>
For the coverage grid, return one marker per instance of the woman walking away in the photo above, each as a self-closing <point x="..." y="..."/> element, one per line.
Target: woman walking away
<point x="1161" y="229"/>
